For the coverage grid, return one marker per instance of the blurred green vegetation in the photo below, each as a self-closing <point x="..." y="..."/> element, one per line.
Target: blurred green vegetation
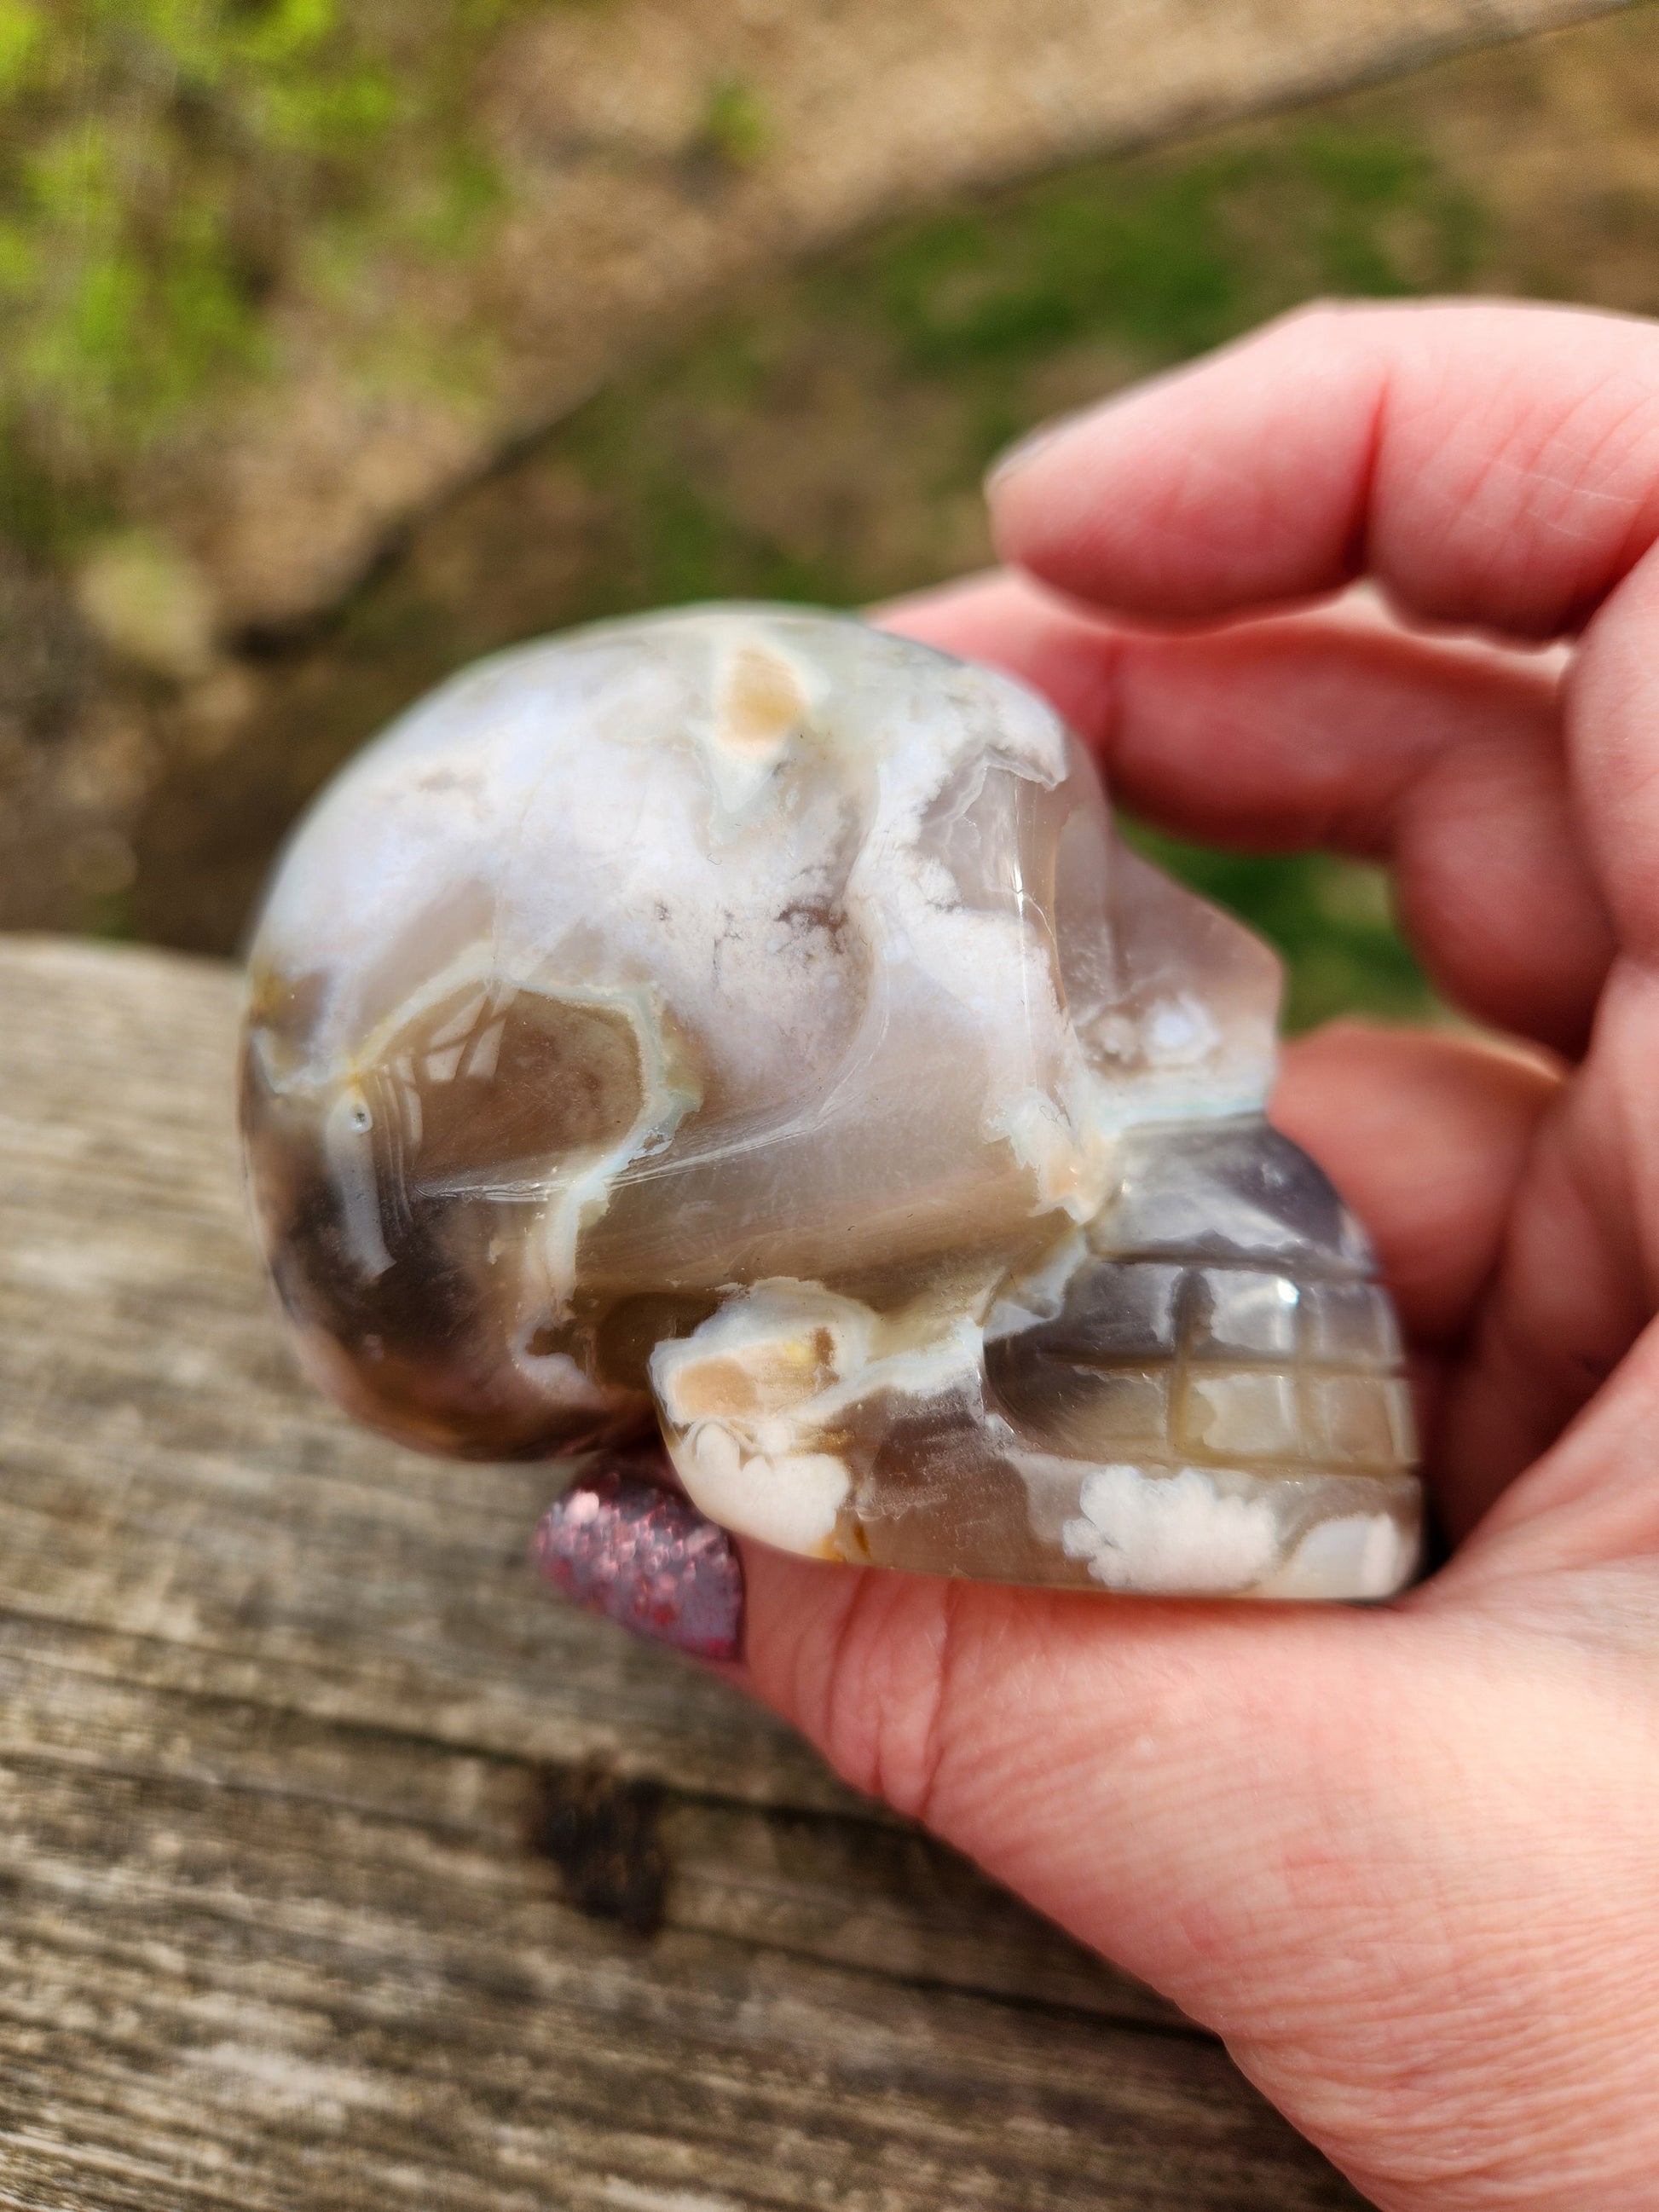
<point x="165" y="164"/>
<point x="1174" y="256"/>
<point x="735" y="125"/>
<point x="170" y="169"/>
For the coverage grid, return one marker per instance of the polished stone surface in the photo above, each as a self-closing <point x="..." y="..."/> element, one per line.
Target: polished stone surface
<point x="745" y="1022"/>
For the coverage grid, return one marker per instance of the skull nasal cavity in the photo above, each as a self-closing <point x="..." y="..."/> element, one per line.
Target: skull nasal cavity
<point x="488" y="1081"/>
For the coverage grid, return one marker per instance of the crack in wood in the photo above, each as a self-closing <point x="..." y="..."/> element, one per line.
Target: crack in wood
<point x="603" y="1833"/>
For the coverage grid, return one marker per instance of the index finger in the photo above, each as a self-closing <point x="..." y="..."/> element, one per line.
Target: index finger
<point x="1491" y="465"/>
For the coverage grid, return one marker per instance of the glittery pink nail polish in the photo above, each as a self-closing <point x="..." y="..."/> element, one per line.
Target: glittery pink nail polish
<point x="644" y="1556"/>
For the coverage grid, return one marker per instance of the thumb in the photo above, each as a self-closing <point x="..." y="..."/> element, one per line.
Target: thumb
<point x="1395" y="1859"/>
<point x="1226" y="1801"/>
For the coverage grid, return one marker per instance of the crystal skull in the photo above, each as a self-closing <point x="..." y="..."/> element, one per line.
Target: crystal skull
<point x="744" y="1021"/>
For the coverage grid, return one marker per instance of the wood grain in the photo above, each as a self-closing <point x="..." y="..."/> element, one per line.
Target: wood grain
<point x="340" y="1866"/>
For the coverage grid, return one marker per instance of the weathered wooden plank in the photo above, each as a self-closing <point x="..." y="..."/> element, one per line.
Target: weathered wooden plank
<point x="880" y="1899"/>
<point x="296" y="1991"/>
<point x="340" y="1866"/>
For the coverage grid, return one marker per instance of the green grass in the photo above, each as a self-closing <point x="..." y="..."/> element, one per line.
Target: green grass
<point x="1164" y="260"/>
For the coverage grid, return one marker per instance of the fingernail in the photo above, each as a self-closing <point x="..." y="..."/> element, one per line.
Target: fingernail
<point x="1025" y="449"/>
<point x="646" y="1558"/>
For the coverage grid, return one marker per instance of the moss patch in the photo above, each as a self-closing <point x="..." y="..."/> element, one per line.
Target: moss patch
<point x="168" y="167"/>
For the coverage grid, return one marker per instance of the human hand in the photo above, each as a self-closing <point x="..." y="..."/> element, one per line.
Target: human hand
<point x="1406" y="1861"/>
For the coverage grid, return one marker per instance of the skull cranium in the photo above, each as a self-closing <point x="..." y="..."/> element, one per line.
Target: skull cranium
<point x="746" y="1021"/>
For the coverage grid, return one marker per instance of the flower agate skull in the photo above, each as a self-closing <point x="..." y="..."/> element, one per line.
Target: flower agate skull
<point x="746" y="1022"/>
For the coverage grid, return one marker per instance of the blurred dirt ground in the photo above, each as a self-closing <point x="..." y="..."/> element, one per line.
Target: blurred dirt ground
<point x="819" y="436"/>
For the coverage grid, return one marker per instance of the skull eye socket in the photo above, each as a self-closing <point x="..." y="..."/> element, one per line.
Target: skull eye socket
<point x="398" y="1204"/>
<point x="486" y="1082"/>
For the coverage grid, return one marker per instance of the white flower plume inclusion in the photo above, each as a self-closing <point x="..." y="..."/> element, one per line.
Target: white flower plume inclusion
<point x="746" y="1021"/>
